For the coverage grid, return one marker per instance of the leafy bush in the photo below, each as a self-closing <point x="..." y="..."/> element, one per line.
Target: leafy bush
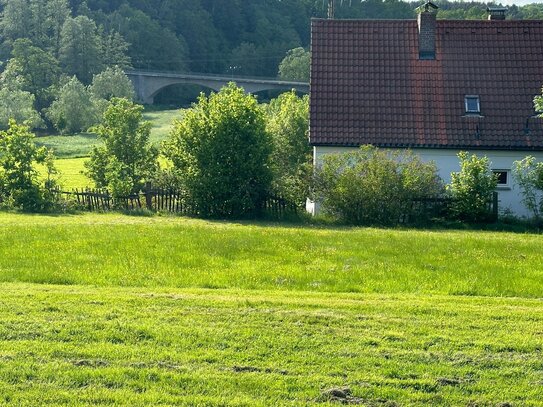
<point x="296" y="65"/>
<point x="372" y="186"/>
<point x="221" y="150"/>
<point x="126" y="159"/>
<point x="19" y="184"/>
<point x="529" y="175"/>
<point x="471" y="188"/>
<point x="288" y="126"/>
<point x="18" y="105"/>
<point x="73" y="111"/>
<point x="109" y="84"/>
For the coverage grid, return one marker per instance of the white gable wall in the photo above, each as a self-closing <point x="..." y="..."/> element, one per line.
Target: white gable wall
<point x="447" y="162"/>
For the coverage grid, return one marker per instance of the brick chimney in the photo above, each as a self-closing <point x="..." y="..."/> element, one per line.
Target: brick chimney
<point x="496" y="13"/>
<point x="427" y="30"/>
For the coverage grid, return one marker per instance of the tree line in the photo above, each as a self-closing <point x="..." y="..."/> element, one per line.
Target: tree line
<point x="47" y="45"/>
<point x="216" y="36"/>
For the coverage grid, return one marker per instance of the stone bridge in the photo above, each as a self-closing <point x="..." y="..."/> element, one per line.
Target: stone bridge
<point x="148" y="83"/>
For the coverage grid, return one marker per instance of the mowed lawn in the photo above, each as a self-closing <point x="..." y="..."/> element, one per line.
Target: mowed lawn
<point x="120" y="310"/>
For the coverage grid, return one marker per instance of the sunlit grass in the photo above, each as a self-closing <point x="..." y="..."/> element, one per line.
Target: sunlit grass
<point x="84" y="345"/>
<point x="72" y="151"/>
<point x="80" y="145"/>
<point x="155" y="251"/>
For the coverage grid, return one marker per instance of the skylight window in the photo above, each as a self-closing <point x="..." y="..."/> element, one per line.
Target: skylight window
<point x="473" y="105"/>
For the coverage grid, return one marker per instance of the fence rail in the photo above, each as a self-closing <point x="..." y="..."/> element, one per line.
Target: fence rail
<point x="158" y="200"/>
<point x="177" y="201"/>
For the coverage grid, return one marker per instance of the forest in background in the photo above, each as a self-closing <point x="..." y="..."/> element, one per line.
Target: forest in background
<point x="52" y="50"/>
<point x="216" y="36"/>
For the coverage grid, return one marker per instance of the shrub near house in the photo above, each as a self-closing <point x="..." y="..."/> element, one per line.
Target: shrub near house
<point x="372" y="186"/>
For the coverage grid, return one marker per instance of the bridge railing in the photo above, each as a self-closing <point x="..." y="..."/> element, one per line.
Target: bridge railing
<point x="223" y="76"/>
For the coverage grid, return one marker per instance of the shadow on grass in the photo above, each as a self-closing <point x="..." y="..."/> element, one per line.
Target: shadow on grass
<point x="305" y="221"/>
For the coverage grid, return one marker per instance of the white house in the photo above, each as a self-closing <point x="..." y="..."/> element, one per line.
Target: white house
<point x="437" y="87"/>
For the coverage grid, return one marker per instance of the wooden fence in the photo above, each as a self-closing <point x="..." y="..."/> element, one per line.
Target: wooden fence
<point x="440" y="207"/>
<point x="158" y="200"/>
<point x="176" y="201"/>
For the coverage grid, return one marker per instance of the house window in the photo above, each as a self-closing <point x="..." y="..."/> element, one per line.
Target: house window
<point x="503" y="178"/>
<point x="473" y="106"/>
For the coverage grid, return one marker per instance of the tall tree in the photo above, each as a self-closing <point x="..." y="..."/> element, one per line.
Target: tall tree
<point x="80" y="48"/>
<point x="33" y="70"/>
<point x="58" y="11"/>
<point x="126" y="159"/>
<point x="151" y="46"/>
<point x="115" y="51"/>
<point x="295" y="66"/>
<point x="73" y="111"/>
<point x="15" y="19"/>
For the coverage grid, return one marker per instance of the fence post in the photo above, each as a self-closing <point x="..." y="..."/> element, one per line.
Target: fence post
<point x="495" y="205"/>
<point x="148" y="196"/>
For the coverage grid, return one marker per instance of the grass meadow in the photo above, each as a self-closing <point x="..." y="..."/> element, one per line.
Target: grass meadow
<point x="75" y="345"/>
<point x="112" y="309"/>
<point x="132" y="310"/>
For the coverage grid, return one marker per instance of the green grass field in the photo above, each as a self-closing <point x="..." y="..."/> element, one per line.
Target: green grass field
<point x="72" y="151"/>
<point x="84" y="345"/>
<point x="122" y="310"/>
<point x="120" y="250"/>
<point x="80" y="145"/>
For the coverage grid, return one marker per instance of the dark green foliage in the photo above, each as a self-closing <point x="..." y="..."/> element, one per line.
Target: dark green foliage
<point x="19" y="185"/>
<point x="80" y="48"/>
<point x="151" y="46"/>
<point x="220" y="149"/>
<point x="33" y="70"/>
<point x="372" y="186"/>
<point x="126" y="159"/>
<point x="472" y="187"/>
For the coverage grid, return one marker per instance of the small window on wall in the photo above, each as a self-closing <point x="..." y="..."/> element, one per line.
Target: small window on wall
<point x="473" y="105"/>
<point x="503" y="178"/>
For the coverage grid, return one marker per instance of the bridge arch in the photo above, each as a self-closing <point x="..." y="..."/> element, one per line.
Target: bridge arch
<point x="149" y="84"/>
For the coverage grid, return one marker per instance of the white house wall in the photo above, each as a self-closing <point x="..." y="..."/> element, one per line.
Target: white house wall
<point x="447" y="162"/>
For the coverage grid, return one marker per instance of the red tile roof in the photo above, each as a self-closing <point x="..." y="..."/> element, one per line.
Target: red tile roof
<point x="368" y="85"/>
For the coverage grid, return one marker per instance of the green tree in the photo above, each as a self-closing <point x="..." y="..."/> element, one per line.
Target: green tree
<point x="126" y="159"/>
<point x="288" y="125"/>
<point x="538" y="104"/>
<point x="73" y="111"/>
<point x="109" y="84"/>
<point x="80" y="48"/>
<point x="471" y="188"/>
<point x="151" y="46"/>
<point x="18" y="174"/>
<point x="37" y="20"/>
<point x="372" y="186"/>
<point x="32" y="70"/>
<point x="18" y="105"/>
<point x="529" y="175"/>
<point x="58" y="11"/>
<point x="15" y="19"/>
<point x="221" y="150"/>
<point x="115" y="51"/>
<point x="295" y="66"/>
